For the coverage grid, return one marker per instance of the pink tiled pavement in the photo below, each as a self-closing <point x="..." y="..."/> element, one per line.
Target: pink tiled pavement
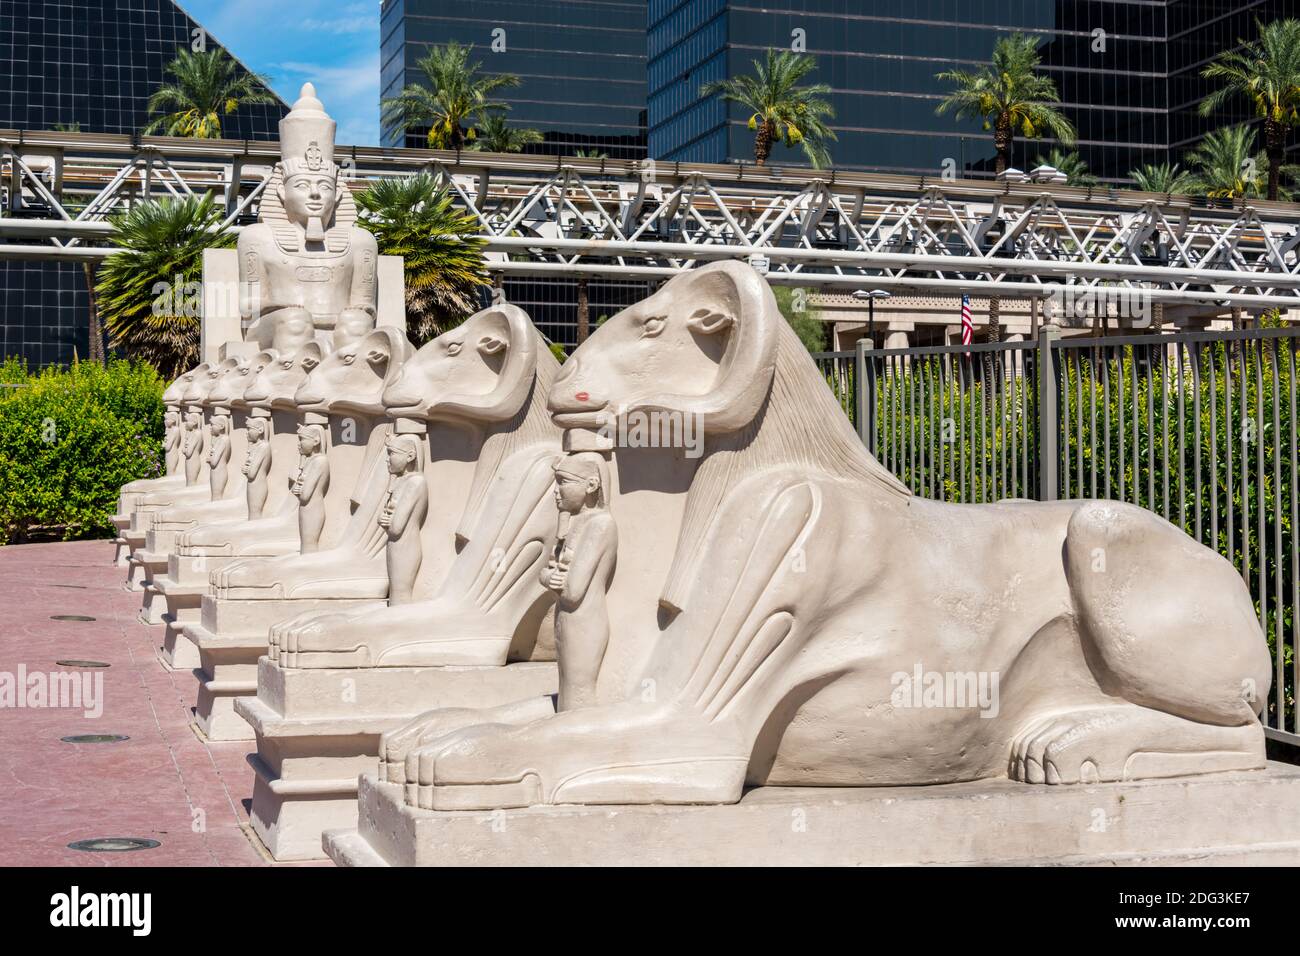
<point x="164" y="783"/>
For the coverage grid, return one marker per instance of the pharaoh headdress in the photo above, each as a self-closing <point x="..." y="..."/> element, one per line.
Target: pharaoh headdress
<point x="307" y="146"/>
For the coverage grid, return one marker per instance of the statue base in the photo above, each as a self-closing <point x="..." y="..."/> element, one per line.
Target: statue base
<point x="230" y="636"/>
<point x="132" y="543"/>
<point x="1243" y="818"/>
<point x="151" y="566"/>
<point x="317" y="730"/>
<point x="183" y="588"/>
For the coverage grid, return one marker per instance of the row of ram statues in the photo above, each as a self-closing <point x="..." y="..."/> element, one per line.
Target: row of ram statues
<point x="666" y="572"/>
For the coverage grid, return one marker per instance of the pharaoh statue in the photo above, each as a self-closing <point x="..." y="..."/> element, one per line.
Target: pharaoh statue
<point x="579" y="573"/>
<point x="306" y="271"/>
<point x="402" y="516"/>
<point x="310" y="485"/>
<point x="257" y="465"/>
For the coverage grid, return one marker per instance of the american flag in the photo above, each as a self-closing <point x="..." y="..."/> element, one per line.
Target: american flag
<point x="967" y="326"/>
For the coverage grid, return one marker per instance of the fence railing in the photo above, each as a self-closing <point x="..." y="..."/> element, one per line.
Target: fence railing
<point x="1198" y="427"/>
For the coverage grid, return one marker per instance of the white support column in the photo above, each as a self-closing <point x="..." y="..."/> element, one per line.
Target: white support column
<point x="391" y="309"/>
<point x="220" y="323"/>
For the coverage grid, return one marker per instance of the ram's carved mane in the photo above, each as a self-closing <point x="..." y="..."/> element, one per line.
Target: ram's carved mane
<point x="800" y="425"/>
<point x="531" y="425"/>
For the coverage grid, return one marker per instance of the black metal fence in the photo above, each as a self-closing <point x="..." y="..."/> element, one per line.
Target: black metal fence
<point x="1199" y="427"/>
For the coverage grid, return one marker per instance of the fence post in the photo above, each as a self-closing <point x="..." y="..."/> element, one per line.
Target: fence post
<point x="1049" y="462"/>
<point x="864" y="379"/>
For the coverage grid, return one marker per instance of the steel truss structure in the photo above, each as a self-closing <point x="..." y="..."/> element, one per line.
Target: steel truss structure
<point x="823" y="230"/>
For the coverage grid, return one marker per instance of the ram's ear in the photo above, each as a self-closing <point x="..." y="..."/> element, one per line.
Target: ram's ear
<point x="491" y="344"/>
<point x="710" y="322"/>
<point x="393" y="347"/>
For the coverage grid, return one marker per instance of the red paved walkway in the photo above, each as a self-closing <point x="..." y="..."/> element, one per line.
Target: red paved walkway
<point x="52" y="793"/>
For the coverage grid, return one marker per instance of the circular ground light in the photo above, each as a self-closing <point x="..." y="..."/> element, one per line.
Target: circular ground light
<point x="82" y="664"/>
<point x="113" y="844"/>
<point x="95" y="739"/>
<point x="70" y="617"/>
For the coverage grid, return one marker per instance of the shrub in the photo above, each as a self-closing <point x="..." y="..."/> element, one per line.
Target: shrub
<point x="69" y="439"/>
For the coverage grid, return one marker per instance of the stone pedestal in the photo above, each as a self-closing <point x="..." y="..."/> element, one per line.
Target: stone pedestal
<point x="145" y="568"/>
<point x="129" y="545"/>
<point x="229" y="637"/>
<point x="1246" y="818"/>
<point x="182" y="589"/>
<point x="317" y="730"/>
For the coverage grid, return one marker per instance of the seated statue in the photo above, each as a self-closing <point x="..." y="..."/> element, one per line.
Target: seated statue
<point x="307" y="272"/>
<point x="808" y="587"/>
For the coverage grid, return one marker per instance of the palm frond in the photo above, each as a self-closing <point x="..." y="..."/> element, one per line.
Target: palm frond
<point x="416" y="218"/>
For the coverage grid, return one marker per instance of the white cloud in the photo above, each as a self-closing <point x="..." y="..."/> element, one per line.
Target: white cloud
<point x="350" y="92"/>
<point x="340" y="25"/>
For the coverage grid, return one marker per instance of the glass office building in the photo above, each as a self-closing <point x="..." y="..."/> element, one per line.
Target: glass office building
<point x="581" y="65"/>
<point x="90" y="65"/>
<point x="1128" y="73"/>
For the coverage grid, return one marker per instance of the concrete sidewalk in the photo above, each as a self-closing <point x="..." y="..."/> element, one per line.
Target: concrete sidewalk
<point x="163" y="784"/>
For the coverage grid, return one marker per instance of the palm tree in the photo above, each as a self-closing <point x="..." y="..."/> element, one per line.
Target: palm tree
<point x="203" y="87"/>
<point x="495" y="136"/>
<point x="148" y="292"/>
<point x="1071" y="163"/>
<point x="1168" y="178"/>
<point x="1009" y="97"/>
<point x="1267" y="72"/>
<point x="450" y="98"/>
<point x="780" y="107"/>
<point x="1226" y="164"/>
<point x="414" y="218"/>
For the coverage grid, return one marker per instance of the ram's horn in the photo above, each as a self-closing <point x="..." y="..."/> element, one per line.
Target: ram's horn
<point x="515" y="380"/>
<point x="749" y="362"/>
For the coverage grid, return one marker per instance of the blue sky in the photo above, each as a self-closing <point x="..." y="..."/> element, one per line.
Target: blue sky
<point x="332" y="43"/>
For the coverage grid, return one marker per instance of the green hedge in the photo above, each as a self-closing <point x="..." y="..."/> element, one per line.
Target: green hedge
<point x="69" y="439"/>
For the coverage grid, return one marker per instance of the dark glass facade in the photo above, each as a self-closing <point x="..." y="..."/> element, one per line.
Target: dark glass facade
<point x="1127" y="72"/>
<point x="1198" y="30"/>
<point x="581" y="65"/>
<point x="93" y="63"/>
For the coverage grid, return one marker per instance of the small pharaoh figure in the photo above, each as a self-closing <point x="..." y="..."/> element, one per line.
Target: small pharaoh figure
<point x="403" y="515"/>
<point x="579" y="573"/>
<point x="219" y="455"/>
<point x="310" y="486"/>
<point x="192" y="446"/>
<point x="257" y="465"/>
<point x="172" y="441"/>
